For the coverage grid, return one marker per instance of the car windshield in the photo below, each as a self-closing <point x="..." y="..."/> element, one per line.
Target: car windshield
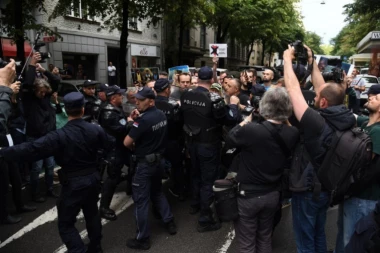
<point x="369" y="79"/>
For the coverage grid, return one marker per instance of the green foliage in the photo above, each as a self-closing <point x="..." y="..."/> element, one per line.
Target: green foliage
<point x="314" y="41"/>
<point x="327" y="49"/>
<point x="27" y="7"/>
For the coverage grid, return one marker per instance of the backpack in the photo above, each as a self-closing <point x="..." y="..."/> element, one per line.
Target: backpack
<point x="346" y="160"/>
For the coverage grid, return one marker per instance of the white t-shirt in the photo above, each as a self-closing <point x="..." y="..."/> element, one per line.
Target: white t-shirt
<point x="111" y="70"/>
<point x="359" y="82"/>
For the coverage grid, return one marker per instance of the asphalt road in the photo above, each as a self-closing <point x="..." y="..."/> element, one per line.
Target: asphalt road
<point x="38" y="233"/>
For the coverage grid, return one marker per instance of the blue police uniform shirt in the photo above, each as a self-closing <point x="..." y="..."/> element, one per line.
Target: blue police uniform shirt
<point x="74" y="147"/>
<point x="149" y="132"/>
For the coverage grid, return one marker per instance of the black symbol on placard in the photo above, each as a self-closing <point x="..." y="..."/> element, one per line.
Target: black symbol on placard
<point x="214" y="50"/>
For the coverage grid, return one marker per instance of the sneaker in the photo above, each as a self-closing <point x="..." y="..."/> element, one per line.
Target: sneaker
<point x="107" y="214"/>
<point x="194" y="209"/>
<point x="171" y="227"/>
<point x="142" y="244"/>
<point x="208" y="227"/>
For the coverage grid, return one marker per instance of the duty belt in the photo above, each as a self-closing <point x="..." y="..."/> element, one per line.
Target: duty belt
<point x="151" y="158"/>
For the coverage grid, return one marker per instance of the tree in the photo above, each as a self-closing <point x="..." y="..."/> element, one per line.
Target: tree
<point x="18" y="18"/>
<point x="364" y="7"/>
<point x="327" y="49"/>
<point x="314" y="41"/>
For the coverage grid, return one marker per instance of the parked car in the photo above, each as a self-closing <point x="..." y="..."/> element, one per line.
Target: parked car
<point x="369" y="80"/>
<point x="67" y="86"/>
<point x="364" y="71"/>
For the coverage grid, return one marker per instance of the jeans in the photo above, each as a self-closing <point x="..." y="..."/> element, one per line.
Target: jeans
<point x="255" y="223"/>
<point x="80" y="193"/>
<point x="349" y="213"/>
<point x="147" y="184"/>
<point x="309" y="219"/>
<point x="35" y="171"/>
<point x="205" y="162"/>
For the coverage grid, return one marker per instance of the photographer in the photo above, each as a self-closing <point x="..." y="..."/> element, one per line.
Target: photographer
<point x="7" y="76"/>
<point x="40" y="118"/>
<point x="260" y="167"/>
<point x="358" y="86"/>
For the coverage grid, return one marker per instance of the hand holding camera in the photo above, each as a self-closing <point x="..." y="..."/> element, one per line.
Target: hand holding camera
<point x="8" y="73"/>
<point x="15" y="87"/>
<point x="35" y="59"/>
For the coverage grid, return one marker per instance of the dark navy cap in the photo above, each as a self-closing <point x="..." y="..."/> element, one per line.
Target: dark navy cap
<point x="73" y="100"/>
<point x="103" y="87"/>
<point x="88" y="83"/>
<point x="161" y="84"/>
<point x="112" y="90"/>
<point x="374" y="89"/>
<point x="145" y="92"/>
<point x="205" y="73"/>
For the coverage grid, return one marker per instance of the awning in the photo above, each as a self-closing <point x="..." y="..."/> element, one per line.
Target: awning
<point x="9" y="48"/>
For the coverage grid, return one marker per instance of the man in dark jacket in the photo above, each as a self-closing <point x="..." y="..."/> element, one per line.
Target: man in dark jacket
<point x="311" y="201"/>
<point x="7" y="75"/>
<point x="93" y="103"/>
<point x="40" y="118"/>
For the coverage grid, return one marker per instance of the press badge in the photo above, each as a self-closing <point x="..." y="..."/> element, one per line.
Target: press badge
<point x="123" y="122"/>
<point x="10" y="140"/>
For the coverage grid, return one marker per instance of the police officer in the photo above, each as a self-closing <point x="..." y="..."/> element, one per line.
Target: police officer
<point x="174" y="145"/>
<point x="102" y="88"/>
<point x="113" y="121"/>
<point x="204" y="113"/>
<point x="93" y="103"/>
<point x="75" y="147"/>
<point x="148" y="136"/>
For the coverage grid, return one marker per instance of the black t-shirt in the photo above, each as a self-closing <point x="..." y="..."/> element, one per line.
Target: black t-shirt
<point x="309" y="96"/>
<point x="261" y="159"/>
<point x="149" y="132"/>
<point x="244" y="99"/>
<point x="245" y="92"/>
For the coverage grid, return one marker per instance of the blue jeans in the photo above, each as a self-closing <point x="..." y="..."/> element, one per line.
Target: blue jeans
<point x="35" y="171"/>
<point x="205" y="162"/>
<point x="309" y="219"/>
<point x="147" y="185"/>
<point x="349" y="213"/>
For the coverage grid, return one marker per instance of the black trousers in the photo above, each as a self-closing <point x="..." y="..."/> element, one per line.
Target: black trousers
<point x="173" y="154"/>
<point x="4" y="182"/>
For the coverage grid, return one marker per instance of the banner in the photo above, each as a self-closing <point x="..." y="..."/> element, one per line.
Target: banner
<point x="219" y="50"/>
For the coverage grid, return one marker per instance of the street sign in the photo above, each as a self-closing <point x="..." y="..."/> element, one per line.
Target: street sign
<point x="219" y="50"/>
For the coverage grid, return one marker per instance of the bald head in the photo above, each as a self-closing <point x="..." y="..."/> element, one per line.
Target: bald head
<point x="329" y="94"/>
<point x="268" y="76"/>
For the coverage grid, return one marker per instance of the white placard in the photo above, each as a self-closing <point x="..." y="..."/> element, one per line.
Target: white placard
<point x="143" y="50"/>
<point x="219" y="50"/>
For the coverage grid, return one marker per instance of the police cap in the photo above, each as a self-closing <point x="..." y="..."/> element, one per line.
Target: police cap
<point x="89" y="83"/>
<point x="73" y="100"/>
<point x="161" y="84"/>
<point x="112" y="90"/>
<point x="205" y="73"/>
<point x="145" y="92"/>
<point x="103" y="87"/>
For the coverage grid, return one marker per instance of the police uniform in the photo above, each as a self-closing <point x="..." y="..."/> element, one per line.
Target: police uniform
<point x="149" y="133"/>
<point x="174" y="146"/>
<point x="75" y="148"/>
<point x="92" y="105"/>
<point x="204" y="114"/>
<point x="113" y="121"/>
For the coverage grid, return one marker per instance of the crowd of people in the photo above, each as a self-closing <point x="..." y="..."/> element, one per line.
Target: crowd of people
<point x="194" y="129"/>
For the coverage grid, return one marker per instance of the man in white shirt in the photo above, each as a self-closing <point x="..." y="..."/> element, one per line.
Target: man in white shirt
<point x="111" y="74"/>
<point x="358" y="84"/>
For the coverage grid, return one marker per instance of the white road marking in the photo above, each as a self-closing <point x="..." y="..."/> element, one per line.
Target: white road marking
<point x="83" y="234"/>
<point x="51" y="215"/>
<point x="227" y="244"/>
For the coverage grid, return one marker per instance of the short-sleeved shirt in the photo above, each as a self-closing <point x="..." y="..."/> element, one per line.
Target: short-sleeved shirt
<point x="359" y="82"/>
<point x="149" y="132"/>
<point x="373" y="191"/>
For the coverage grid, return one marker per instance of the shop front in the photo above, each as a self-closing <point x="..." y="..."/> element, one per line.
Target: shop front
<point x="145" y="62"/>
<point x="371" y="44"/>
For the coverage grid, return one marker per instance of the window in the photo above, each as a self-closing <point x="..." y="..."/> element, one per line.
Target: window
<point x="77" y="10"/>
<point x="133" y="24"/>
<point x="203" y="37"/>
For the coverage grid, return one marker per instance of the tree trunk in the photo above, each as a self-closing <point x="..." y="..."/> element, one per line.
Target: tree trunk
<point x="19" y="38"/>
<point x="123" y="46"/>
<point x="180" y="39"/>
<point x="249" y="54"/>
<point x="221" y="35"/>
<point x="270" y="54"/>
<point x="263" y="53"/>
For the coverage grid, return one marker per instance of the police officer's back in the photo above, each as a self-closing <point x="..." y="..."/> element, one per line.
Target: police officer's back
<point x="76" y="149"/>
<point x="113" y="121"/>
<point x="204" y="113"/>
<point x="174" y="147"/>
<point x="148" y="135"/>
<point x="93" y="104"/>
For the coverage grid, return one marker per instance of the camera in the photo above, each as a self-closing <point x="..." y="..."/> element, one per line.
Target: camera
<point x="300" y="52"/>
<point x="335" y="75"/>
<point x="5" y="63"/>
<point x="44" y="55"/>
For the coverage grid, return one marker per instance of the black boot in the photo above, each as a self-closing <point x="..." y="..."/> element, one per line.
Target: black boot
<point x="143" y="244"/>
<point x="107" y="214"/>
<point x="26" y="209"/>
<point x="94" y="249"/>
<point x="10" y="220"/>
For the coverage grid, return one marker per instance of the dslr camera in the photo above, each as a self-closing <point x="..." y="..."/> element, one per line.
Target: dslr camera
<point x="44" y="55"/>
<point x="300" y="52"/>
<point x="5" y="63"/>
<point x="335" y="75"/>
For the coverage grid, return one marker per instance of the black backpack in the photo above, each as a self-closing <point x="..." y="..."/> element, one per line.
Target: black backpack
<point x="345" y="164"/>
